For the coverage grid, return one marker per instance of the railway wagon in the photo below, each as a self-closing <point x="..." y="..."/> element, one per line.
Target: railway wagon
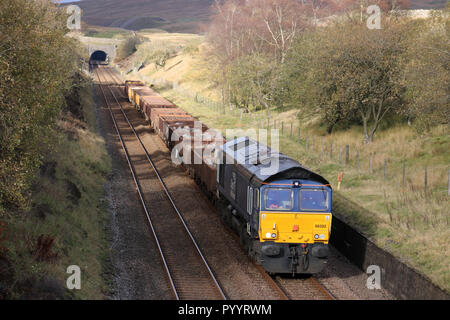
<point x="205" y="173"/>
<point x="193" y="142"/>
<point x="184" y="126"/>
<point x="159" y="112"/>
<point x="150" y="103"/>
<point x="280" y="209"/>
<point x="129" y="84"/>
<point x="139" y="94"/>
<point x="167" y="119"/>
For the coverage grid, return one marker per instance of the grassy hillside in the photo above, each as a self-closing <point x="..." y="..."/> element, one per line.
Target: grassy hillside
<point x="392" y="208"/>
<point x="169" y="15"/>
<point x="427" y="4"/>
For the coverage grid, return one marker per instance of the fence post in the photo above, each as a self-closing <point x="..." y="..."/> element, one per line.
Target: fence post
<point x="426" y="180"/>
<point x="357" y="160"/>
<point x="321" y="147"/>
<point x="384" y="170"/>
<point x="291" y="130"/>
<point x="331" y="150"/>
<point x="448" y="183"/>
<point x="404" y="175"/>
<point x="282" y="127"/>
<point x="347" y="154"/>
<point x="340" y="155"/>
<point x="299" y="134"/>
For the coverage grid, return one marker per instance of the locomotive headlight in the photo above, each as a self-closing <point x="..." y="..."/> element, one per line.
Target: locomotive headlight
<point x="322" y="236"/>
<point x="274" y="235"/>
<point x="316" y="236"/>
<point x="268" y="235"/>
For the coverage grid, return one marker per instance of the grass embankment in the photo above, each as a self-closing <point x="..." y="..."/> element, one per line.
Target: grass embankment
<point x="67" y="223"/>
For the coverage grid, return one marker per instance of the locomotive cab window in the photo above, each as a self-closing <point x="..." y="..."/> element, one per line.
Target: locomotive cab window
<point x="314" y="200"/>
<point x="249" y="200"/>
<point x="256" y="199"/>
<point x="278" y="199"/>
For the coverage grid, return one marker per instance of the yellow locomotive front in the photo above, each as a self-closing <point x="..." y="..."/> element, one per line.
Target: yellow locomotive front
<point x="280" y="209"/>
<point x="295" y="225"/>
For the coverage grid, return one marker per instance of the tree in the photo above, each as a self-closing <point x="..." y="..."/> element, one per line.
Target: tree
<point x="427" y="72"/>
<point x="253" y="28"/>
<point x="278" y="22"/>
<point x="252" y="79"/>
<point x="127" y="47"/>
<point x="356" y="72"/>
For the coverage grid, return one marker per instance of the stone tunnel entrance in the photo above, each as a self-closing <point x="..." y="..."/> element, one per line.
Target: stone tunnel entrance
<point x="100" y="56"/>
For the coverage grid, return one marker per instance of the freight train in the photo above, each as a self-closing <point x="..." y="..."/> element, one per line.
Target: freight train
<point x="282" y="213"/>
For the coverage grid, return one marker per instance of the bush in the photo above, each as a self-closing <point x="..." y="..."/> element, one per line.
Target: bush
<point x="127" y="47"/>
<point x="37" y="62"/>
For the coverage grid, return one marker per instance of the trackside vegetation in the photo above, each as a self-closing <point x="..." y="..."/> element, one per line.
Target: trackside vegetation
<point x="52" y="163"/>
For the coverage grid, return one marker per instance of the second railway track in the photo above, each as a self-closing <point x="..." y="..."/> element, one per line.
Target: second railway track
<point x="187" y="270"/>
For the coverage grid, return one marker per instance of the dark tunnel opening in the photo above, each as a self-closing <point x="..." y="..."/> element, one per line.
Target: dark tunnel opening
<point x="99" y="56"/>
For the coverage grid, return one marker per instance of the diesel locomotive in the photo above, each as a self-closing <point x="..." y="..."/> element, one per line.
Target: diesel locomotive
<point x="281" y="210"/>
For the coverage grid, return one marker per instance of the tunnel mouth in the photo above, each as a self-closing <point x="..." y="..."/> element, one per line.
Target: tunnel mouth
<point x="99" y="55"/>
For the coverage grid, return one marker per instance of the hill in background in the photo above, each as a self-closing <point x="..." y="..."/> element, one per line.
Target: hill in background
<point x="427" y="4"/>
<point x="169" y="15"/>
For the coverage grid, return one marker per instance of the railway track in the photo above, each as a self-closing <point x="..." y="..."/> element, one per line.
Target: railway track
<point x="187" y="270"/>
<point x="285" y="288"/>
<point x="307" y="288"/>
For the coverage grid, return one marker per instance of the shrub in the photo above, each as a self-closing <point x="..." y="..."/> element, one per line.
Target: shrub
<point x="127" y="47"/>
<point x="37" y="62"/>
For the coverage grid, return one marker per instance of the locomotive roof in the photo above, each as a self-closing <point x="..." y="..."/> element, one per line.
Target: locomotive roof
<point x="257" y="158"/>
